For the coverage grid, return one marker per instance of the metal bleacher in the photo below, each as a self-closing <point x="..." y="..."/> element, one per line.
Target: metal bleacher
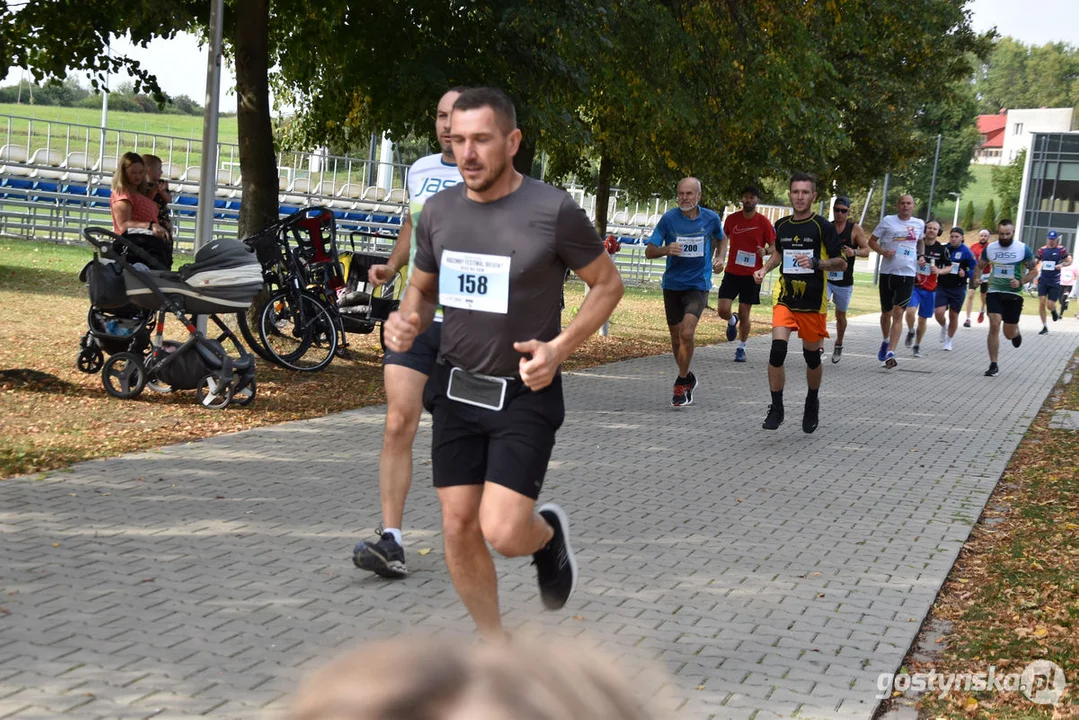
<point x="55" y="179"/>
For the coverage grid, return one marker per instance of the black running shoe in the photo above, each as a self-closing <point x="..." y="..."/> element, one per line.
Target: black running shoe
<point x="1056" y="315"/>
<point x="556" y="568"/>
<point x="678" y="399"/>
<point x="1017" y="341"/>
<point x="774" y="419"/>
<point x="691" y="385"/>
<point x="909" y="339"/>
<point x="993" y="370"/>
<point x="1044" y="330"/>
<point x="383" y="557"/>
<point x="810" y="415"/>
<point x="732" y="328"/>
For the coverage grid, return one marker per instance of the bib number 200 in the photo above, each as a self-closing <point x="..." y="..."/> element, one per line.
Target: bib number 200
<point x="473" y="284"/>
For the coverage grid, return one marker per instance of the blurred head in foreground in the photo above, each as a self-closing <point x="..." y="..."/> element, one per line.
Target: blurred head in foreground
<point x="440" y="679"/>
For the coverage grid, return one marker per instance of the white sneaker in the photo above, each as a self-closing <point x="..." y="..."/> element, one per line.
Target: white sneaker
<point x="948" y="344"/>
<point x="944" y="333"/>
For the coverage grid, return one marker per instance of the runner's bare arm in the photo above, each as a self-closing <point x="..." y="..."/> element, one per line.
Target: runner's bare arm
<point x="1032" y="271"/>
<point x="380" y="274"/>
<point x="874" y="245"/>
<point x="719" y="255"/>
<point x="858" y="234"/>
<point x="416" y="312"/>
<point x="983" y="263"/>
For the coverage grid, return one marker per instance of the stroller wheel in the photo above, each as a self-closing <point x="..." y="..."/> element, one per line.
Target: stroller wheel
<point x="245" y="394"/>
<point x="124" y="375"/>
<point x="90" y="360"/>
<point x="213" y="393"/>
<point x="157" y="384"/>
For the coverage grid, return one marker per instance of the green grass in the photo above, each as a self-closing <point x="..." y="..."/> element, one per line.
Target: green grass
<point x="179" y="126"/>
<point x="980" y="191"/>
<point x="175" y="138"/>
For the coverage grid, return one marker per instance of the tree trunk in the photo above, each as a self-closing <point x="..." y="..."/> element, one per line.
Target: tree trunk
<point x="258" y="163"/>
<point x="603" y="193"/>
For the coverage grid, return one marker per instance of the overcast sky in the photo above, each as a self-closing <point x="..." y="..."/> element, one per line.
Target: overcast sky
<point x="180" y="65"/>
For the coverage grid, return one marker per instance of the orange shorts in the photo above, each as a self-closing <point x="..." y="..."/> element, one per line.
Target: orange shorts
<point x="810" y="326"/>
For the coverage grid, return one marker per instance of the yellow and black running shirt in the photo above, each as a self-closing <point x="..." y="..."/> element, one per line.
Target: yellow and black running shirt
<point x="802" y="289"/>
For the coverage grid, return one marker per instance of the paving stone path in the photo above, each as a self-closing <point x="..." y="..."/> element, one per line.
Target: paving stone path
<point x="735" y="572"/>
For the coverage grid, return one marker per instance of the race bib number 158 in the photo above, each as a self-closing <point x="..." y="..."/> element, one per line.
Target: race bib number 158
<point x="473" y="281"/>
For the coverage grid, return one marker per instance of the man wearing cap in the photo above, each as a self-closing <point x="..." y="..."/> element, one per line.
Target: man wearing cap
<point x="841" y="283"/>
<point x="977" y="248"/>
<point x="1052" y="258"/>
<point x="952" y="284"/>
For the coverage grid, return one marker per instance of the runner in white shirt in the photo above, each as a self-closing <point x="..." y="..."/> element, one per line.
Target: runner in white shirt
<point x="898" y="240"/>
<point x="406" y="373"/>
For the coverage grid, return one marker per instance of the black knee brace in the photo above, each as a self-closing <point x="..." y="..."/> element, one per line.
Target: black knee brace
<point x="779" y="353"/>
<point x="812" y="358"/>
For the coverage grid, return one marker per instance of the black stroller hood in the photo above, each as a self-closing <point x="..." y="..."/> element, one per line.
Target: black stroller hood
<point x="221" y="254"/>
<point x="225" y="277"/>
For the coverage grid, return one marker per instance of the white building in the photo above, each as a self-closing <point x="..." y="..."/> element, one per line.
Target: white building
<point x="1021" y="123"/>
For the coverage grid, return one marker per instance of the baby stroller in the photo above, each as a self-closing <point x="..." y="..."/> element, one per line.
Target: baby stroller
<point x="113" y="323"/>
<point x="223" y="279"/>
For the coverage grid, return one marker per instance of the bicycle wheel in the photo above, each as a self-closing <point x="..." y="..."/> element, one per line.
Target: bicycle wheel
<point x="248" y="322"/>
<point x="298" y="331"/>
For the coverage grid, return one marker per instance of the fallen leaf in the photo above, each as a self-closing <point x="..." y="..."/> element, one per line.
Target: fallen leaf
<point x="424" y="551"/>
<point x="701" y="686"/>
<point x="578" y="617"/>
<point x="1041" y="631"/>
<point x="56" y="544"/>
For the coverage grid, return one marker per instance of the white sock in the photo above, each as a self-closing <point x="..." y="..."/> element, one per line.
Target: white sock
<point x="742" y="344"/>
<point x="733" y="320"/>
<point x="396" y="534"/>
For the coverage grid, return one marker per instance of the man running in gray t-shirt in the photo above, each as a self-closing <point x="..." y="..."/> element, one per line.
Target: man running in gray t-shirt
<point x="493" y="252"/>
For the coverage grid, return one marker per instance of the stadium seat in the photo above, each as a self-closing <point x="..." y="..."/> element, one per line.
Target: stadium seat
<point x="15" y="154"/>
<point x="299" y="193"/>
<point x="371" y="199"/>
<point x="105" y="165"/>
<point x="75" y="163"/>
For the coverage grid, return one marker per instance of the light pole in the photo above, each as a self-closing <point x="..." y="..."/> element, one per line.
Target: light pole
<point x="933" y="183"/>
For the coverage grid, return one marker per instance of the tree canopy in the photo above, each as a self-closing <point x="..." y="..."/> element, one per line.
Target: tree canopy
<point x="1016" y="75"/>
<point x="638" y="92"/>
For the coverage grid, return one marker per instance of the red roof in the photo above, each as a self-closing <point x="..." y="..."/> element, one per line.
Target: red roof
<point x="992" y="127"/>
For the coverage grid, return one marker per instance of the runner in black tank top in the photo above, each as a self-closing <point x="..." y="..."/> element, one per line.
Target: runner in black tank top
<point x="841" y="285"/>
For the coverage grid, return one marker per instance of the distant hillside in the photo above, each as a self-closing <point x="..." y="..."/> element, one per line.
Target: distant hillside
<point x="178" y="126"/>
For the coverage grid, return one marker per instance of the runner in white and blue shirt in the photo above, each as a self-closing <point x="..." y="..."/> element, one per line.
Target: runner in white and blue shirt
<point x="405" y="374"/>
<point x="692" y="240"/>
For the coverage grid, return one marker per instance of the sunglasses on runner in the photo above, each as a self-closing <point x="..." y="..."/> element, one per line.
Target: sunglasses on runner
<point x="840" y="210"/>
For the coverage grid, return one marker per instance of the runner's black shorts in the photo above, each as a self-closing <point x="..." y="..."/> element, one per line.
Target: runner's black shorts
<point x="743" y="287"/>
<point x="423" y="353"/>
<point x="1008" y="305"/>
<point x="1049" y="290"/>
<point x="679" y="303"/>
<point x="509" y="447"/>
<point x="895" y="290"/>
<point x="952" y="298"/>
